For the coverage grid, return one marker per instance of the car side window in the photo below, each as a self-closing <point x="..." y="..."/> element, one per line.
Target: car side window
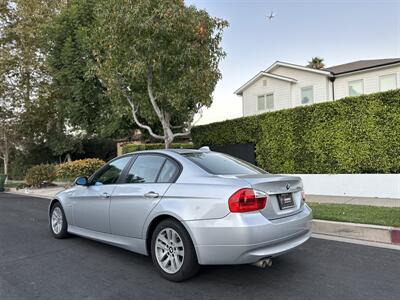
<point x="145" y="169"/>
<point x="112" y="171"/>
<point x="168" y="172"/>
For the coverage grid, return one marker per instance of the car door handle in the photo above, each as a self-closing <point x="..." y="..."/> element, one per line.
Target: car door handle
<point x="105" y="195"/>
<point x="151" y="195"/>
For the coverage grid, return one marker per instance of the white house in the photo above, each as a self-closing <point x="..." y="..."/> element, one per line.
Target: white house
<point x="285" y="85"/>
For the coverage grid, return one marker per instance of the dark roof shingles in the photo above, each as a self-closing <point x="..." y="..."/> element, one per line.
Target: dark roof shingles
<point x="361" y="65"/>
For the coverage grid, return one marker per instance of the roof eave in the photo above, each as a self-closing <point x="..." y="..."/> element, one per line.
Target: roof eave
<point x="298" y="67"/>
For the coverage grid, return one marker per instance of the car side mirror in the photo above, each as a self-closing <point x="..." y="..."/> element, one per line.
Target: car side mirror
<point x="82" y="180"/>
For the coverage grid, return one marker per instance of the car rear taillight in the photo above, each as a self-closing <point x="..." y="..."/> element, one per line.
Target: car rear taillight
<point x="303" y="196"/>
<point x="245" y="200"/>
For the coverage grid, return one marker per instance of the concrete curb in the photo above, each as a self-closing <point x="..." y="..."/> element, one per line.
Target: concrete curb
<point x="365" y="232"/>
<point x="48" y="193"/>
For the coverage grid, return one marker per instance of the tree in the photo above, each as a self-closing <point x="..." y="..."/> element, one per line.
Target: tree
<point x="25" y="82"/>
<point x="20" y="41"/>
<point x="7" y="137"/>
<point x="79" y="95"/>
<point x="160" y="58"/>
<point x="7" y="105"/>
<point x="316" y="63"/>
<point x="42" y="124"/>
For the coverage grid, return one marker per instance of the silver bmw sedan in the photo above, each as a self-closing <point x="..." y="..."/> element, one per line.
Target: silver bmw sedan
<point x="186" y="208"/>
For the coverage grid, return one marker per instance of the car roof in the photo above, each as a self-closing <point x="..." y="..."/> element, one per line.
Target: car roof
<point x="178" y="151"/>
<point x="183" y="151"/>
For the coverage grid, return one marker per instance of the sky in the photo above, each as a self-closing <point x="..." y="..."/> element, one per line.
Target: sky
<point x="339" y="31"/>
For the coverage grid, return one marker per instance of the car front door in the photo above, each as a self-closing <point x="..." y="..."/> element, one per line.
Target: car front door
<point x="91" y="203"/>
<point x="145" y="183"/>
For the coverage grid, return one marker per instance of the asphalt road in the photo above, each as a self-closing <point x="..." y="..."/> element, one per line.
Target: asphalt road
<point x="33" y="265"/>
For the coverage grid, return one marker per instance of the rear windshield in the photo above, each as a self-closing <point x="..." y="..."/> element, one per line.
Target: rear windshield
<point x="222" y="164"/>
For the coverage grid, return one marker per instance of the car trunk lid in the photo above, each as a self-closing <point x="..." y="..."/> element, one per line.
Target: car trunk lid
<point x="281" y="191"/>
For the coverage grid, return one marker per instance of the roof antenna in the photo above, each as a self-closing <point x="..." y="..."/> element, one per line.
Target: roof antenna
<point x="205" y="149"/>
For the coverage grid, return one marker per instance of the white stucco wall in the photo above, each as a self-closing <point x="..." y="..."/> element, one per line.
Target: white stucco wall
<point x="370" y="78"/>
<point x="356" y="185"/>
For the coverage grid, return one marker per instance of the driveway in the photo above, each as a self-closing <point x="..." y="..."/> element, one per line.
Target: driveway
<point x="35" y="265"/>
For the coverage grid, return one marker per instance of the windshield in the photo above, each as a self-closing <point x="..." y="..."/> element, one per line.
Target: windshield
<point x="222" y="164"/>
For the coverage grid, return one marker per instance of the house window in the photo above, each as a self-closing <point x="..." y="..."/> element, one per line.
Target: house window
<point x="265" y="102"/>
<point x="269" y="101"/>
<point x="387" y="82"/>
<point x="264" y="82"/>
<point x="356" y="87"/>
<point x="261" y="103"/>
<point x="307" y="95"/>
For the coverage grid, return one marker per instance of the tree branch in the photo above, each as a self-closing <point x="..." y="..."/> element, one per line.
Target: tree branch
<point x="189" y="128"/>
<point x="141" y="125"/>
<point x="158" y="111"/>
<point x="176" y="127"/>
<point x="126" y="91"/>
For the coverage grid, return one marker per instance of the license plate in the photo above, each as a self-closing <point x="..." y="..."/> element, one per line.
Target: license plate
<point x="285" y="201"/>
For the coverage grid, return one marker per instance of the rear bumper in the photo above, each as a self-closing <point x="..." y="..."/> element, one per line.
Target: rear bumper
<point x="249" y="237"/>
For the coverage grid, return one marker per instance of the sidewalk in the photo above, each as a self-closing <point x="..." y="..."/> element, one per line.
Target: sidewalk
<point x="49" y="192"/>
<point x="386" y="202"/>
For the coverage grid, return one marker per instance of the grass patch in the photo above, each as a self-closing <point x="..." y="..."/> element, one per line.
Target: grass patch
<point x="387" y="216"/>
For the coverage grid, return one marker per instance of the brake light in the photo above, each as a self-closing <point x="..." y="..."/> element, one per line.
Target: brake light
<point x="303" y="196"/>
<point x="245" y="200"/>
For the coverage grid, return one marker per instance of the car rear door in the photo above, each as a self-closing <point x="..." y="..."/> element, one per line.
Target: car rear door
<point x="145" y="183"/>
<point x="91" y="203"/>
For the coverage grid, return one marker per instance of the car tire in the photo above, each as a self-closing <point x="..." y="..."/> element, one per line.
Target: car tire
<point x="58" y="222"/>
<point x="170" y="241"/>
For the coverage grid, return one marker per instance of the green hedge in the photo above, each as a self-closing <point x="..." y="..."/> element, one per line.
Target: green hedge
<point x="139" y="147"/>
<point x="352" y="135"/>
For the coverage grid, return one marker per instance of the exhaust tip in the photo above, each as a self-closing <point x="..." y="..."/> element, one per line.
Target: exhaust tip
<point x="263" y="263"/>
<point x="269" y="262"/>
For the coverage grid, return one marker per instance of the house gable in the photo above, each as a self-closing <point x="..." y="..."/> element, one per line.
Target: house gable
<point x="262" y="74"/>
<point x="280" y="89"/>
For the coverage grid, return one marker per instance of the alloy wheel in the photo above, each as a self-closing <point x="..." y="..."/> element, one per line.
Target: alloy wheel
<point x="169" y="250"/>
<point x="56" y="220"/>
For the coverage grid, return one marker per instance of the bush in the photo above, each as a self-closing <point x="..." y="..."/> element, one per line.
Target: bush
<point x="40" y="174"/>
<point x="82" y="167"/>
<point x="351" y="135"/>
<point x="139" y="147"/>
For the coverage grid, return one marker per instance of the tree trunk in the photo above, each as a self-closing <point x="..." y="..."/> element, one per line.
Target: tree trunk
<point x="6" y="163"/>
<point x="168" y="143"/>
<point x="6" y="155"/>
<point x="168" y="136"/>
